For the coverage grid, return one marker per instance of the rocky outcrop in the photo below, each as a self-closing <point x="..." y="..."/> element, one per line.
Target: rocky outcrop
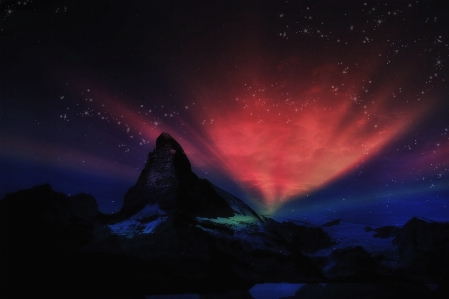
<point x="40" y="229"/>
<point x="306" y="239"/>
<point x="423" y="246"/>
<point x="42" y="205"/>
<point x="384" y="232"/>
<point x="84" y="206"/>
<point x="168" y="180"/>
<point x="332" y="223"/>
<point x="352" y="262"/>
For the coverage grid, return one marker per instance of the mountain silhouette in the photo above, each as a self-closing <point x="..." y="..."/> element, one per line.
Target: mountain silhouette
<point x="177" y="233"/>
<point x="184" y="225"/>
<point x="168" y="182"/>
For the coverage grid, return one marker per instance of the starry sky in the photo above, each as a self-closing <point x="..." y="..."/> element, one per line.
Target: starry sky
<point x="306" y="110"/>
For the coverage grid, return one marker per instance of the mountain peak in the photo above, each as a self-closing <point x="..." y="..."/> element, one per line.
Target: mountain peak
<point x="164" y="139"/>
<point x="167" y="144"/>
<point x="168" y="182"/>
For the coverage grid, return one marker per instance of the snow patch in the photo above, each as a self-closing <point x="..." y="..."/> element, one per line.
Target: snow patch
<point x="237" y="223"/>
<point x="130" y="228"/>
<point x="246" y="228"/>
<point x="148" y="211"/>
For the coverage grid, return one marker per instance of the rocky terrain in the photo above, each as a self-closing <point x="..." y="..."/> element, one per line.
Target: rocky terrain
<point x="177" y="233"/>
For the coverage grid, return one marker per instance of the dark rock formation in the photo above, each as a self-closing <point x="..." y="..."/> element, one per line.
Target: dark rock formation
<point x="386" y="232"/>
<point x="352" y="262"/>
<point x="84" y="206"/>
<point x="303" y="238"/>
<point x="424" y="246"/>
<point x="368" y="229"/>
<point x="168" y="180"/>
<point x="48" y="213"/>
<point x="332" y="223"/>
<point x="39" y="228"/>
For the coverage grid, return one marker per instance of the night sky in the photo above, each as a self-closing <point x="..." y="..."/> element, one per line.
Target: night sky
<point x="307" y="110"/>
